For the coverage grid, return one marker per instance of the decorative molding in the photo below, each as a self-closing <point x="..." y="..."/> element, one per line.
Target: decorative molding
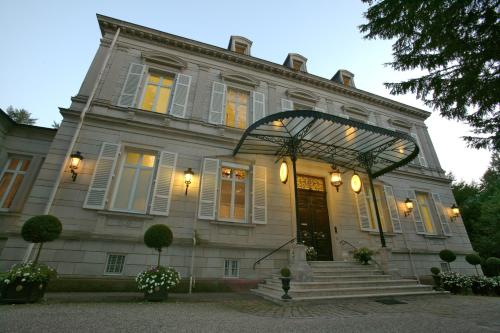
<point x="134" y="31"/>
<point x="400" y="123"/>
<point x="164" y="59"/>
<point x="302" y="95"/>
<point x="356" y="109"/>
<point x="239" y="78"/>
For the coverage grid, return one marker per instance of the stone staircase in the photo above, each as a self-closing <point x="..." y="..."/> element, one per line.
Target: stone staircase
<point x="342" y="279"/>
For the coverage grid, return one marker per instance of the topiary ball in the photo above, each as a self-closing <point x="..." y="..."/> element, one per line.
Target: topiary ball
<point x="473" y="259"/>
<point x="493" y="265"/>
<point x="285" y="272"/>
<point x="158" y="236"/>
<point x="447" y="255"/>
<point x="41" y="229"/>
<point x="435" y="270"/>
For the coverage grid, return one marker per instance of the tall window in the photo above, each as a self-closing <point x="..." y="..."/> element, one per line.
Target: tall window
<point x="11" y="180"/>
<point x="233" y="188"/>
<point x="134" y="185"/>
<point x="237" y="108"/>
<point x="157" y="92"/>
<point x="425" y="212"/>
<point x="382" y="208"/>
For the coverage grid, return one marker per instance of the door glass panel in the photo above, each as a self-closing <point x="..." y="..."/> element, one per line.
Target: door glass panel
<point x="133" y="158"/>
<point x="163" y="99"/>
<point x="13" y="191"/>
<point x="239" y="201"/>
<point x="148" y="160"/>
<point x="149" y="98"/>
<point x="225" y="199"/>
<point x="141" y="190"/>
<point x="4" y="183"/>
<point x="124" y="188"/>
<point x="13" y="164"/>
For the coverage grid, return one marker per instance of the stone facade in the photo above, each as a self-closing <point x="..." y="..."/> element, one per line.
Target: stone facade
<point x="189" y="132"/>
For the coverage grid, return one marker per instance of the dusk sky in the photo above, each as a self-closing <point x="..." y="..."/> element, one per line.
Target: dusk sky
<point x="47" y="47"/>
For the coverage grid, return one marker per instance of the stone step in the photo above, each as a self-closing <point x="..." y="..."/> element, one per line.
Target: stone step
<point x="341" y="284"/>
<point x="372" y="290"/>
<point x="359" y="277"/>
<point x="345" y="272"/>
<point x="334" y="263"/>
<point x="276" y="296"/>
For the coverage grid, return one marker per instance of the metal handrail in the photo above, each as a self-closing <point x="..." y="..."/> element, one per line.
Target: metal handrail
<point x="273" y="251"/>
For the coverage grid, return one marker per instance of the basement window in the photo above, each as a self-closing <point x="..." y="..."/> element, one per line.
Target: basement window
<point x="114" y="264"/>
<point x="231" y="268"/>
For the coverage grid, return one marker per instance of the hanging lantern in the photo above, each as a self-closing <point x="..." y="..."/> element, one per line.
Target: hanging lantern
<point x="356" y="183"/>
<point x="336" y="178"/>
<point x="283" y="172"/>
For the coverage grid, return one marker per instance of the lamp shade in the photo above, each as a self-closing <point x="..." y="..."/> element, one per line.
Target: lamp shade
<point x="356" y="183"/>
<point x="283" y="172"/>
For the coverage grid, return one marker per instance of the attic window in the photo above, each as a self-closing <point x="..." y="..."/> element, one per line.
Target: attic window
<point x="297" y="64"/>
<point x="346" y="80"/>
<point x="240" y="48"/>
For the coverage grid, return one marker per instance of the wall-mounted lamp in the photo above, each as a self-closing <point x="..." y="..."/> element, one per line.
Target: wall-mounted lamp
<point x="356" y="183"/>
<point x="455" y="212"/>
<point x="335" y="177"/>
<point x="188" y="178"/>
<point x="74" y="163"/>
<point x="283" y="172"/>
<point x="408" y="206"/>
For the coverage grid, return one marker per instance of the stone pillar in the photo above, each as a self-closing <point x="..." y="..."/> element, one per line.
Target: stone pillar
<point x="301" y="271"/>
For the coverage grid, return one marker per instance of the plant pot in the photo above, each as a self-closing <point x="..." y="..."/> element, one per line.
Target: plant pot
<point x="437" y="282"/>
<point x="158" y="295"/>
<point x="23" y="292"/>
<point x="285" y="285"/>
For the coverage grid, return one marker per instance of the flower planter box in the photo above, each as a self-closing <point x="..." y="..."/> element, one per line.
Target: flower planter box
<point x="158" y="295"/>
<point x="22" y="292"/>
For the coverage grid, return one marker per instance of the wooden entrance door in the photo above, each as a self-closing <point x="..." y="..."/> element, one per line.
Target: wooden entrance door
<point x="313" y="212"/>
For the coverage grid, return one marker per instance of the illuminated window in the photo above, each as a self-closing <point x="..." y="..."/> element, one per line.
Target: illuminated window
<point x="382" y="207"/>
<point x="297" y="64"/>
<point x="240" y="48"/>
<point x="424" y="208"/>
<point x="346" y="80"/>
<point x="157" y="93"/>
<point x="11" y="179"/>
<point x="236" y="108"/>
<point x="233" y="194"/>
<point x="134" y="184"/>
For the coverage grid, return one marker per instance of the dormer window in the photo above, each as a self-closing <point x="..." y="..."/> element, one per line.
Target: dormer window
<point x="345" y="78"/>
<point x="296" y="62"/>
<point x="240" y="45"/>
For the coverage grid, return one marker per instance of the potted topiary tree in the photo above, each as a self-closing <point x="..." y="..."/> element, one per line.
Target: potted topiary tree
<point x="157" y="281"/>
<point x="447" y="255"/>
<point x="436" y="277"/>
<point x="285" y="282"/>
<point x="26" y="282"/>
<point x="473" y="259"/>
<point x="363" y="255"/>
<point x="492" y="266"/>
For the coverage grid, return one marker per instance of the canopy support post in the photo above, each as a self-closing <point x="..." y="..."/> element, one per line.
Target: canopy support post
<point x="296" y="193"/>
<point x="375" y="204"/>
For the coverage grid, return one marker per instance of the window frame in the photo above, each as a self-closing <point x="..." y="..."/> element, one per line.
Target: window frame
<point x="233" y="187"/>
<point x="230" y="269"/>
<point x="432" y="213"/>
<point x="250" y="101"/>
<point x="106" y="265"/>
<point x="162" y="73"/>
<point x="15" y="173"/>
<point x="116" y="185"/>
<point x="382" y="206"/>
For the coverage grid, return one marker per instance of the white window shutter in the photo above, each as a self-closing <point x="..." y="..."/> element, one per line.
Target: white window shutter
<point x="363" y="214"/>
<point x="319" y="109"/>
<point x="393" y="208"/>
<point x="103" y="173"/>
<point x="217" y="102"/>
<point x="421" y="156"/>
<point x="259" y="106"/>
<point x="286" y="105"/>
<point x="131" y="86"/>
<point x="445" y="226"/>
<point x="208" y="189"/>
<point x="164" y="181"/>
<point x="181" y="93"/>
<point x="419" y="224"/>
<point x="259" y="195"/>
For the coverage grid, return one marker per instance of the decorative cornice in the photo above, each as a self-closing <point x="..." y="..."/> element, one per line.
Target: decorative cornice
<point x="302" y="95"/>
<point x="240" y="78"/>
<point x="164" y="59"/>
<point x="131" y="30"/>
<point x="356" y="109"/>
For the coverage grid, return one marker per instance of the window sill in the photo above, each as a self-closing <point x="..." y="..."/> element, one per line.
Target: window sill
<point x="7" y="213"/>
<point x="435" y="236"/>
<point x="386" y="234"/>
<point x="235" y="224"/>
<point x="125" y="215"/>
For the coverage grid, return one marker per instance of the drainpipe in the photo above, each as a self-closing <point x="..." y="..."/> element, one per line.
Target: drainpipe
<point x="195" y="220"/>
<point x="52" y="195"/>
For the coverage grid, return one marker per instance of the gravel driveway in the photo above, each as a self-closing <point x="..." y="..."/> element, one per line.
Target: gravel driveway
<point x="246" y="313"/>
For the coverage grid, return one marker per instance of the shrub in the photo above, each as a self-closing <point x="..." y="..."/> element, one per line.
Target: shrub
<point x="473" y="259"/>
<point x="435" y="270"/>
<point x="493" y="266"/>
<point x="41" y="229"/>
<point x="363" y="255"/>
<point x="157" y="278"/>
<point x="447" y="255"/>
<point x="157" y="237"/>
<point x="454" y="282"/>
<point x="481" y="285"/>
<point x="285" y="272"/>
<point x="496" y="284"/>
<point x="29" y="272"/>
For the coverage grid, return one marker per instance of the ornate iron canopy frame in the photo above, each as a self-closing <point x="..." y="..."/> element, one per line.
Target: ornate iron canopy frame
<point x="319" y="136"/>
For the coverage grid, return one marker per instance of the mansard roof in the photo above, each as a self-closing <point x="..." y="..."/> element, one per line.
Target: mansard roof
<point x="135" y="31"/>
